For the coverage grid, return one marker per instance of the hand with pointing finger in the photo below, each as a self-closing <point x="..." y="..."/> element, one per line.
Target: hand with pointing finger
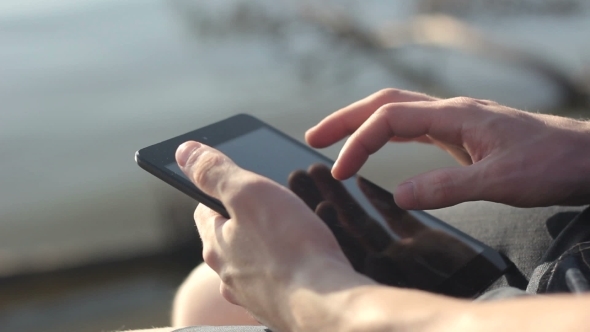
<point x="277" y="259"/>
<point x="507" y="156"/>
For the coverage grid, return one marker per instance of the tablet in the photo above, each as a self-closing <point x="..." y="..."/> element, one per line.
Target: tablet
<point x="395" y="247"/>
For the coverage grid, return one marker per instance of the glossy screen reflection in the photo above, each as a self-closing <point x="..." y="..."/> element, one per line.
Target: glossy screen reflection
<point x="382" y="241"/>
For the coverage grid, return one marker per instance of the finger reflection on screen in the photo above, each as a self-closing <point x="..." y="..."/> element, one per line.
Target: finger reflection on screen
<point x="399" y="249"/>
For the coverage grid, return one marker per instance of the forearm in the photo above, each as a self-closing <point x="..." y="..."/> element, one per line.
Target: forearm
<point x="371" y="307"/>
<point x="536" y="313"/>
<point x="399" y="310"/>
<point x="336" y="298"/>
<point x="379" y="308"/>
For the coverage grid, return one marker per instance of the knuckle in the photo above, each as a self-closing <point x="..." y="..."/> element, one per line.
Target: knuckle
<point x="385" y="114"/>
<point x="464" y="102"/>
<point x="497" y="123"/>
<point x="227" y="293"/>
<point x="385" y="109"/>
<point x="472" y="103"/>
<point x="442" y="187"/>
<point x="251" y="189"/>
<point x="388" y="94"/>
<point x="210" y="257"/>
<point x="488" y="102"/>
<point x="203" y="167"/>
<point x="380" y="113"/>
<point x="228" y="278"/>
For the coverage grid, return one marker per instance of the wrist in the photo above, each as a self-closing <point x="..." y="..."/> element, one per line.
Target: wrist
<point x="331" y="296"/>
<point x="372" y="307"/>
<point x="320" y="294"/>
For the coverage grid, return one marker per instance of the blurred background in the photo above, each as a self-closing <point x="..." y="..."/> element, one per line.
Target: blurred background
<point x="90" y="242"/>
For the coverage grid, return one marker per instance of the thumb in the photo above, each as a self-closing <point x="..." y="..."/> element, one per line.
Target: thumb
<point x="210" y="170"/>
<point x="439" y="188"/>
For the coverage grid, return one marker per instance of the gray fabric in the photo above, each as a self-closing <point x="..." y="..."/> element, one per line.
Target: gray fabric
<point x="569" y="273"/>
<point x="521" y="234"/>
<point x="536" y="277"/>
<point x="502" y="294"/>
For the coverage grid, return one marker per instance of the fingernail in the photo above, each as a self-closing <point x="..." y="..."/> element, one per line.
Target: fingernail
<point x="334" y="167"/>
<point x="307" y="133"/>
<point x="404" y="195"/>
<point x="185" y="151"/>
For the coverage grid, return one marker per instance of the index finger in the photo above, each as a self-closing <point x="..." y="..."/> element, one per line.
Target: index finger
<point x="209" y="225"/>
<point x="442" y="120"/>
<point x="207" y="221"/>
<point x="345" y="121"/>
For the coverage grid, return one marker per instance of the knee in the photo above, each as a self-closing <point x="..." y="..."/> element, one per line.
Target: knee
<point x="199" y="302"/>
<point x="196" y="288"/>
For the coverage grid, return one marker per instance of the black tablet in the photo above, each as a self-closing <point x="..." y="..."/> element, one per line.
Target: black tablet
<point x="393" y="246"/>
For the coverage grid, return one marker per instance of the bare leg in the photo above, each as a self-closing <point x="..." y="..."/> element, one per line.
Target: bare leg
<point x="198" y="302"/>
